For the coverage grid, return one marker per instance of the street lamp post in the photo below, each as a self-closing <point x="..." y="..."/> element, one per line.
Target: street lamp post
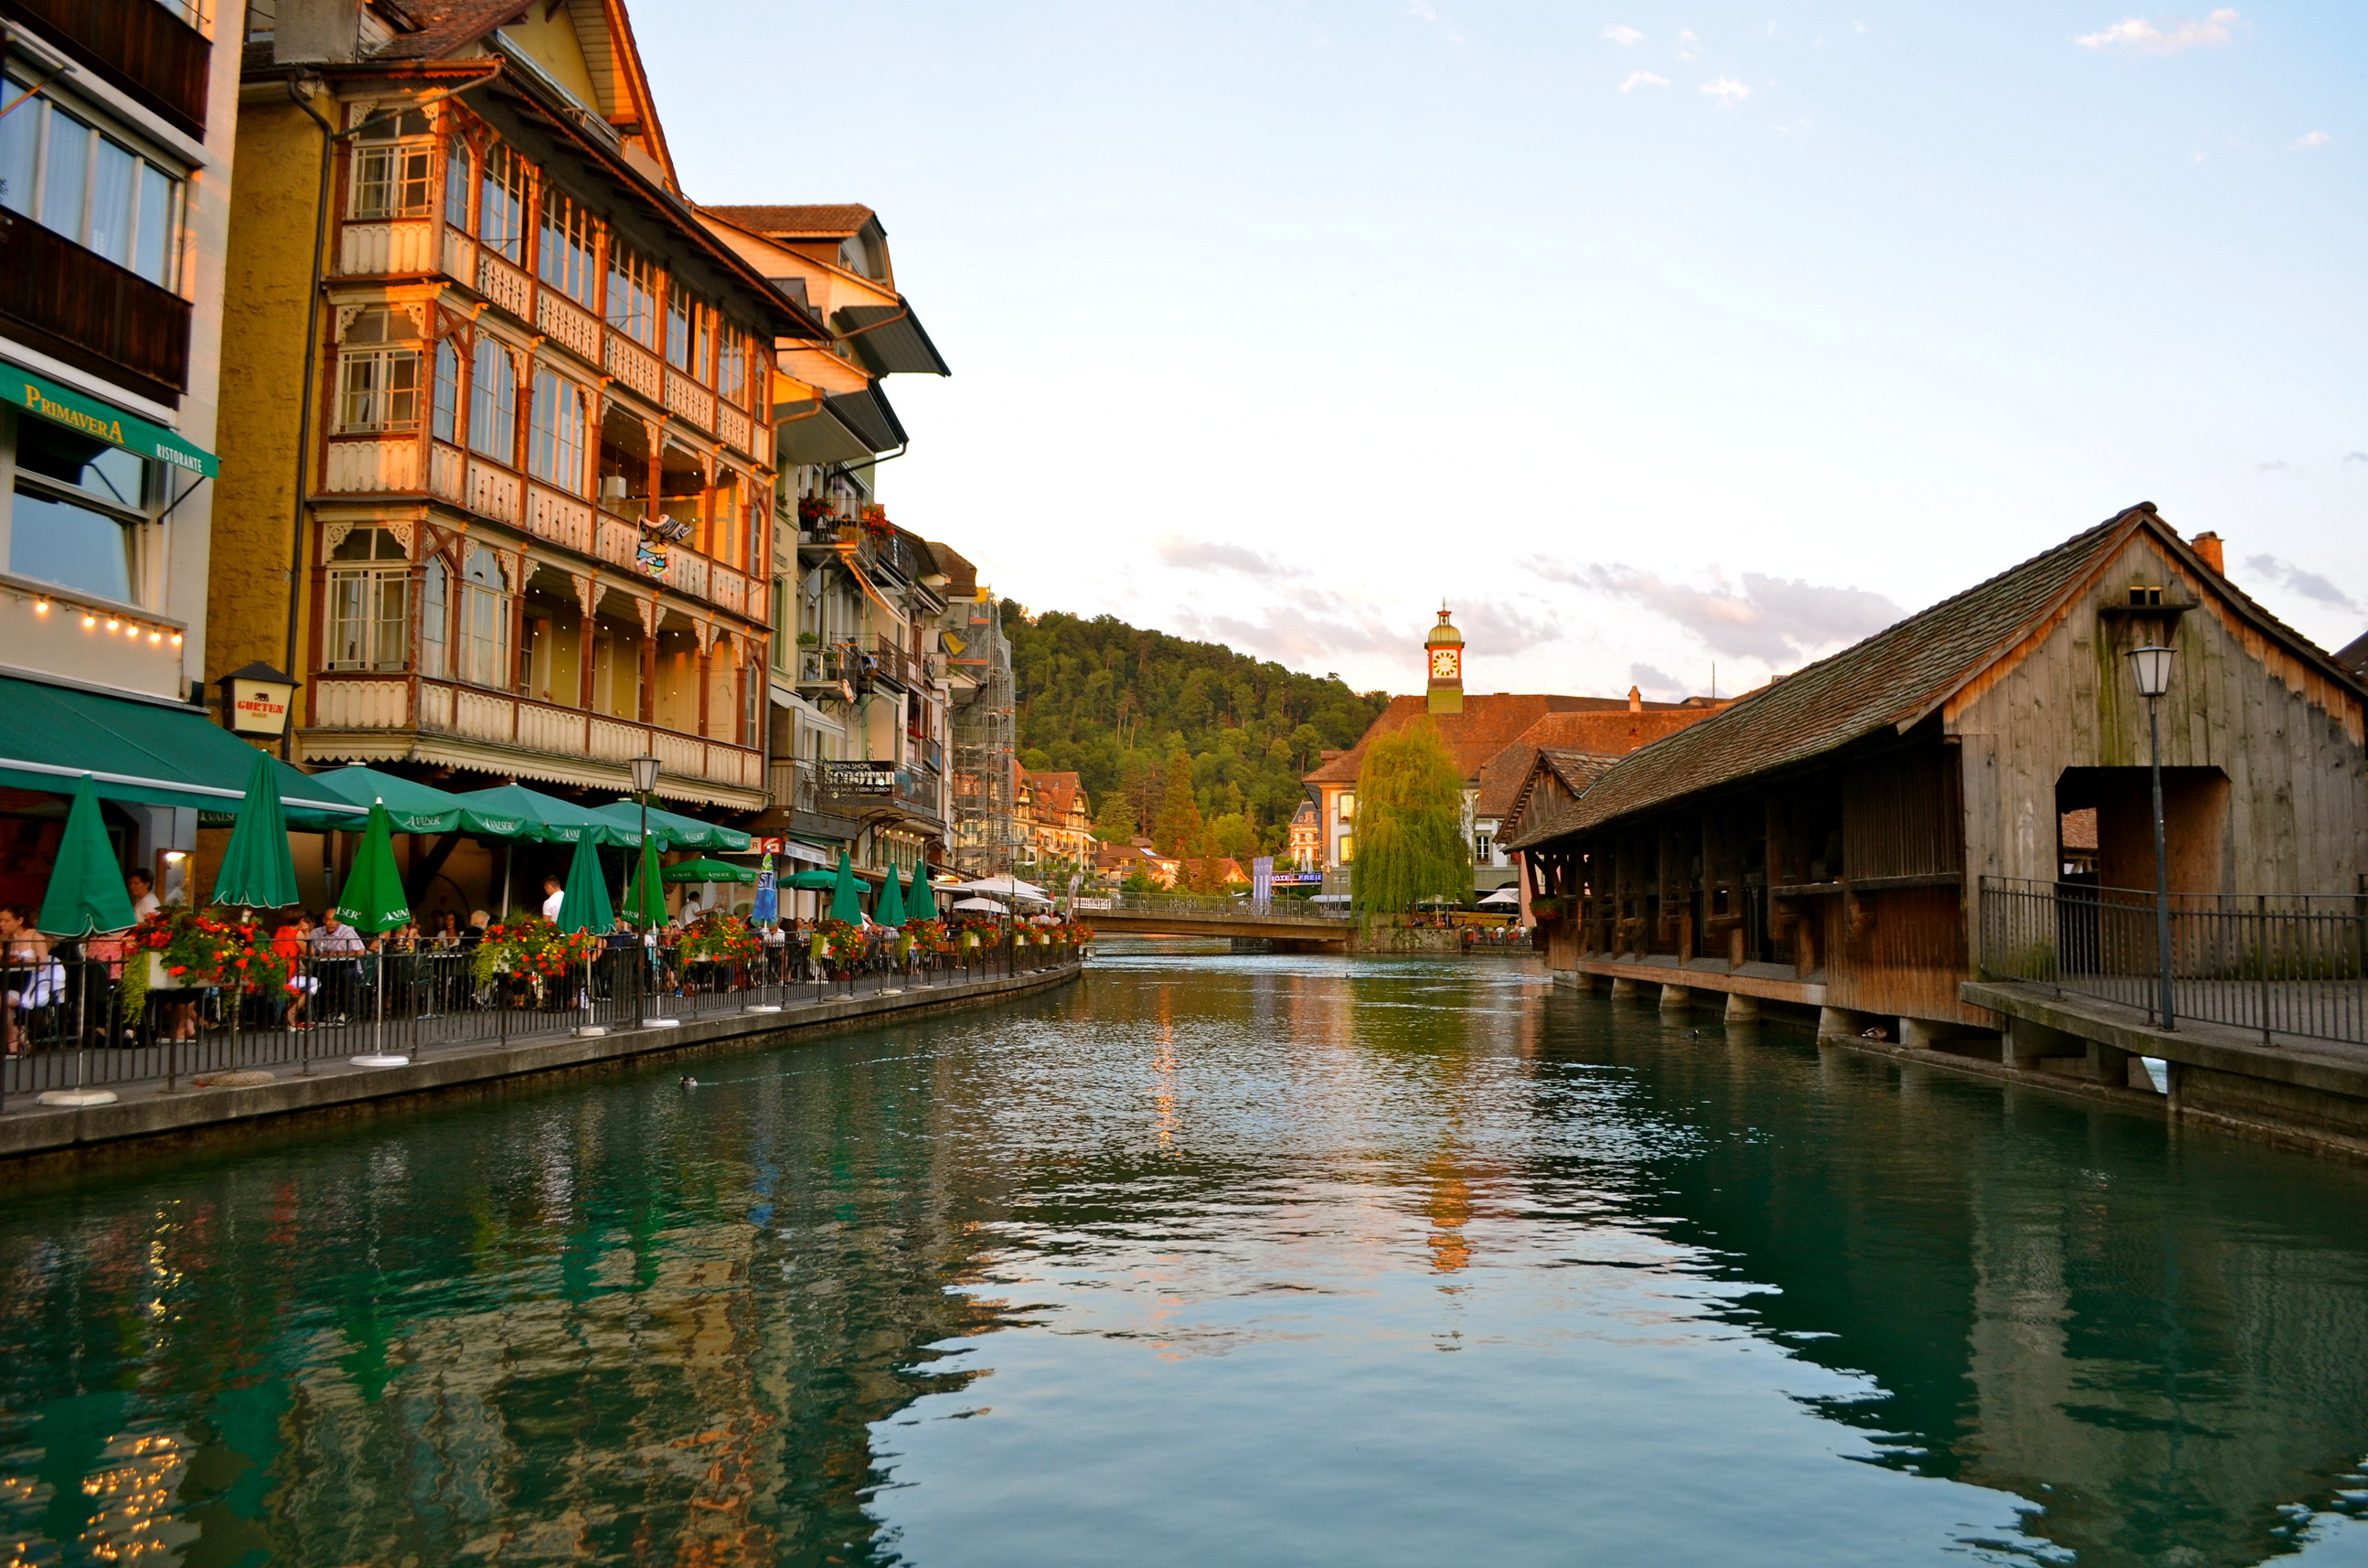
<point x="645" y="778"/>
<point x="2151" y="666"/>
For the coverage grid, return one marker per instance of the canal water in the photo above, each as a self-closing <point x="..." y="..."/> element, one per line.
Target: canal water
<point x="1206" y="1260"/>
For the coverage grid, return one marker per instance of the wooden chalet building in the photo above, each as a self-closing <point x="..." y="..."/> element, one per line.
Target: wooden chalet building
<point x="1826" y="841"/>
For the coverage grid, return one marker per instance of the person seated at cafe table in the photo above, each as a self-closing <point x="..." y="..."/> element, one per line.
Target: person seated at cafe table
<point x="289" y="942"/>
<point x="25" y="961"/>
<point x="143" y="892"/>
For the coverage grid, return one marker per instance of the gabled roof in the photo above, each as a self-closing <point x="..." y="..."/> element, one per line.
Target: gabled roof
<point x="1488" y="725"/>
<point x="1591" y="732"/>
<point x="1904" y="673"/>
<point x="2353" y="655"/>
<point x="1055" y="794"/>
<point x="813" y="220"/>
<point x="1575" y="772"/>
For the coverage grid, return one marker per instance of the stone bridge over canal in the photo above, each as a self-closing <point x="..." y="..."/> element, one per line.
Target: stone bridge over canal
<point x="1301" y="929"/>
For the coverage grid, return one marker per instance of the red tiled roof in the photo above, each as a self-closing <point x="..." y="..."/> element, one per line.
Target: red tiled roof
<point x="1593" y="732"/>
<point x="446" y="25"/>
<point x="1055" y="794"/>
<point x="824" y="220"/>
<point x="1488" y="725"/>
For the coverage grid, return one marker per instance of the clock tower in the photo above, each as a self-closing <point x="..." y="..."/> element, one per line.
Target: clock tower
<point x="1443" y="652"/>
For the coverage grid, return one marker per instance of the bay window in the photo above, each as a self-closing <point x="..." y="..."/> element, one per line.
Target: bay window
<point x="555" y="435"/>
<point x="369" y="619"/>
<point x="501" y="204"/>
<point x="485" y="619"/>
<point x="392" y="166"/>
<point x="446" y="410"/>
<point x="570" y="242"/>
<point x="435" y="619"/>
<point x="492" y="402"/>
<point x="632" y="295"/>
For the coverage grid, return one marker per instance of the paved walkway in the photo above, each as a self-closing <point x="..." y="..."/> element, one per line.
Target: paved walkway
<point x="148" y="1109"/>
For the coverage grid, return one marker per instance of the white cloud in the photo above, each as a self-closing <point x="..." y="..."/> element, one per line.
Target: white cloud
<point x="1860" y="25"/>
<point x="1622" y="36"/>
<point x="2167" y="35"/>
<point x="2309" y="584"/>
<point x="2311" y="142"/>
<point x="1214" y="555"/>
<point x="2275" y="465"/>
<point x="1771" y="27"/>
<point x="1429" y="11"/>
<point x="1726" y="90"/>
<point x="1642" y="79"/>
<point x="1687" y="43"/>
<point x="2355" y="456"/>
<point x="1774" y="618"/>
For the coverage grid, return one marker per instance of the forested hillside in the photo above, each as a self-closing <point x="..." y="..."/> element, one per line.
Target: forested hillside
<point x="1116" y="704"/>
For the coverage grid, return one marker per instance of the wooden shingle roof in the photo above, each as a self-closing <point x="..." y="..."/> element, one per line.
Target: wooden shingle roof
<point x="1891" y="680"/>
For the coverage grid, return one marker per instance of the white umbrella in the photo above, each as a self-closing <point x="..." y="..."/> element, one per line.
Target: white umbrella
<point x="979" y="904"/>
<point x="1005" y="887"/>
<point x="1504" y="895"/>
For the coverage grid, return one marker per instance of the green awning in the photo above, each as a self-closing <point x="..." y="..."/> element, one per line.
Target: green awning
<point x="413" y="807"/>
<point x="150" y="754"/>
<point x="102" y="421"/>
<point x="671" y="830"/>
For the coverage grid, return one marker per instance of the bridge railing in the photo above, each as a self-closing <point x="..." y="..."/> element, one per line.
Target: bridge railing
<point x="1188" y="906"/>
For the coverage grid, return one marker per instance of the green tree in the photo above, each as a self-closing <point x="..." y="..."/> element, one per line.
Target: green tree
<point x="1236" y="835"/>
<point x="1409" y="825"/>
<point x="1115" y="823"/>
<point x="1178" y="829"/>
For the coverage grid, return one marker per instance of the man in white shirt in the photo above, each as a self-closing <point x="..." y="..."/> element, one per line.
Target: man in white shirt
<point x="338" y="948"/>
<point x="143" y="893"/>
<point x="551" y="898"/>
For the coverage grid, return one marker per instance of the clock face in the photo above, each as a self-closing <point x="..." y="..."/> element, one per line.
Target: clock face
<point x="1445" y="664"/>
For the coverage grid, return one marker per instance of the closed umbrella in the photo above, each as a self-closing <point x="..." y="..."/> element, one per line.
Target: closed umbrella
<point x="889" y="908"/>
<point x="584" y="901"/>
<point x="86" y="890"/>
<point x="844" y="903"/>
<point x="86" y="895"/>
<point x="921" y="904"/>
<point x="373" y="900"/>
<point x="645" y="905"/>
<point x="257" y="869"/>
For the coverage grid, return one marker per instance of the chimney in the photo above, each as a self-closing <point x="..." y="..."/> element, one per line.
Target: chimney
<point x="2207" y="545"/>
<point x="1635" y="701"/>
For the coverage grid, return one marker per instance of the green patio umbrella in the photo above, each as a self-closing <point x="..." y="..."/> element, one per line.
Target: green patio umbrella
<point x="889" y="908"/>
<point x="373" y="899"/>
<point x="921" y="904"/>
<point x="813" y="879"/>
<point x="86" y="885"/>
<point x="413" y="807"/>
<point x="584" y="904"/>
<point x="645" y="903"/>
<point x="708" y="872"/>
<point x="844" y="904"/>
<point x="672" y="829"/>
<point x="548" y="817"/>
<point x="257" y="869"/>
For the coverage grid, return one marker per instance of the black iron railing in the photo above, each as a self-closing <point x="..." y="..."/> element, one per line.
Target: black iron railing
<point x="2291" y="964"/>
<point x="63" y="1024"/>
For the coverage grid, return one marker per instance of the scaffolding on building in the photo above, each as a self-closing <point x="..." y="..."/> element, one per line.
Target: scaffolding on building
<point x="988" y="839"/>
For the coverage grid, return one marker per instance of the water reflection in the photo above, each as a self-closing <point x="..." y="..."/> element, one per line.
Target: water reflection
<point x="1159" y="1270"/>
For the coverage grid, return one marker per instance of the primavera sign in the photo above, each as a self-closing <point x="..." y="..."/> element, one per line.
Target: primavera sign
<point x="103" y="422"/>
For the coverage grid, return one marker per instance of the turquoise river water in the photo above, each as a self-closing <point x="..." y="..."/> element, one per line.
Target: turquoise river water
<point x="1206" y="1260"/>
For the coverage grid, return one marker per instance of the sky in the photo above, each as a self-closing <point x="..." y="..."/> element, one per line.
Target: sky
<point x="1662" y="344"/>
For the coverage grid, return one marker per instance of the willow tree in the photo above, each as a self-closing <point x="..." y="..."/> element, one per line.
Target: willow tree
<point x="1409" y="825"/>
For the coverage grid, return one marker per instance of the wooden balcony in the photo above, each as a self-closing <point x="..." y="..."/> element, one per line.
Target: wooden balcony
<point x="138" y="46"/>
<point x="392" y="716"/>
<point x="81" y="307"/>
